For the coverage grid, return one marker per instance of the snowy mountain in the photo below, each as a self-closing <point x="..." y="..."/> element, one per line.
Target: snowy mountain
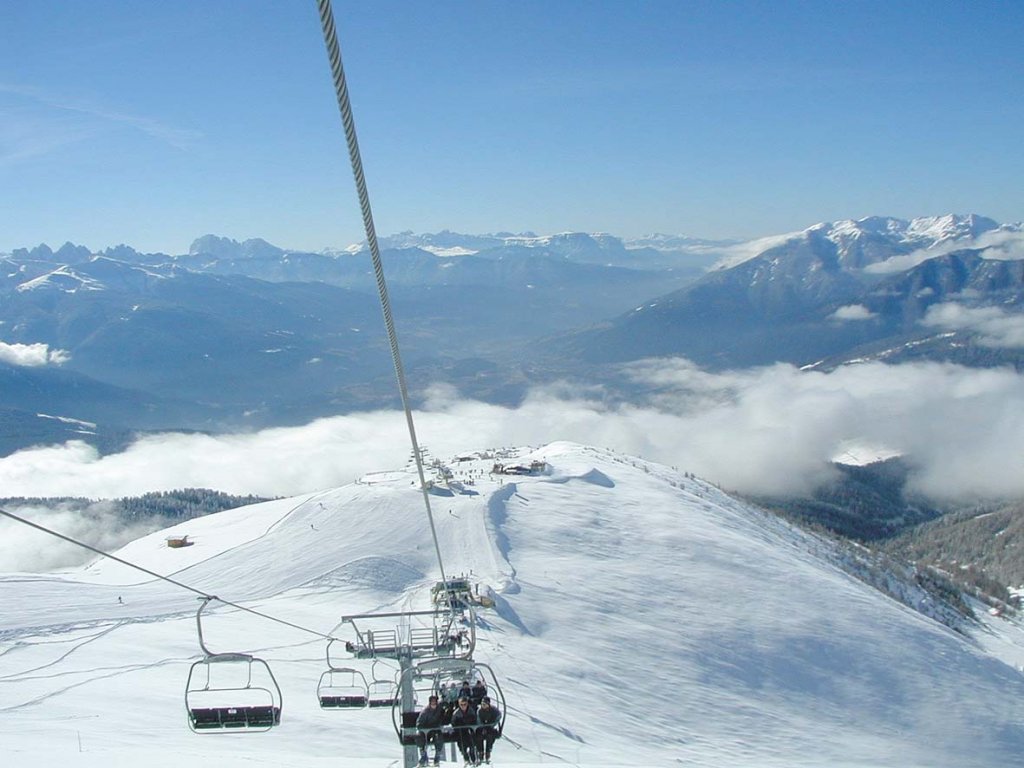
<point x="106" y="414"/>
<point x="249" y="334"/>
<point x="833" y="292"/>
<point x="224" y="247"/>
<point x="206" y="348"/>
<point x="642" y="617"/>
<point x="652" y="252"/>
<point x="662" y="242"/>
<point x="857" y="244"/>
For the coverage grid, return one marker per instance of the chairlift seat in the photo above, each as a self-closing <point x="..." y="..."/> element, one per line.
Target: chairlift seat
<point x="342" y="688"/>
<point x="352" y="702"/>
<point x="212" y="718"/>
<point x="408" y="734"/>
<point x="382" y="693"/>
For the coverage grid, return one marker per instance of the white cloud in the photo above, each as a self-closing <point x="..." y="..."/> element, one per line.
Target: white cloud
<point x="734" y="255"/>
<point x="1000" y="244"/>
<point x="27" y="549"/>
<point x="995" y="327"/>
<point x="853" y="312"/>
<point x="962" y="428"/>
<point x="765" y="430"/>
<point x="32" y="355"/>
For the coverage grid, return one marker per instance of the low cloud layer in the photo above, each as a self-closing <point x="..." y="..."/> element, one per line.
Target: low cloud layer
<point x="23" y="548"/>
<point x="994" y="326"/>
<point x="764" y="430"/>
<point x="999" y="244"/>
<point x="31" y="355"/>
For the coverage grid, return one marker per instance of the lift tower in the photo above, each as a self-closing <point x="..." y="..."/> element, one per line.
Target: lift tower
<point x="440" y="634"/>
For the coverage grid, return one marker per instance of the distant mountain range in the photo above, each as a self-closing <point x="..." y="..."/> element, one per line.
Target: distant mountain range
<point x="247" y="334"/>
<point x="250" y="334"/>
<point x="832" y="293"/>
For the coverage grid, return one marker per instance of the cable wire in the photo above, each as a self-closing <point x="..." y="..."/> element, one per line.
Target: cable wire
<point x="168" y="579"/>
<point x="341" y="90"/>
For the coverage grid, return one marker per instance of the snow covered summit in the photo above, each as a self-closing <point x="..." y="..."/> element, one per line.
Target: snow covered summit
<point x="643" y="617"/>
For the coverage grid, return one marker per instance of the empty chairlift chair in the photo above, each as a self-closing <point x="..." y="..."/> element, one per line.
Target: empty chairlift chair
<point x="230" y="692"/>
<point x="383" y="688"/>
<point x="341" y="687"/>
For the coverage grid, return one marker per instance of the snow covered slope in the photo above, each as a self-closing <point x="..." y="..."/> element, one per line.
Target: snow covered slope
<point x="642" y="618"/>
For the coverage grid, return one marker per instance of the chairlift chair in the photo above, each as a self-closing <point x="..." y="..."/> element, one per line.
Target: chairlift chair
<point x="230" y="692"/>
<point x="383" y="689"/>
<point x="427" y="678"/>
<point x="341" y="687"/>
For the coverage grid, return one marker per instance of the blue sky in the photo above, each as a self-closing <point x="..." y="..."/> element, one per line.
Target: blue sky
<point x="154" y="123"/>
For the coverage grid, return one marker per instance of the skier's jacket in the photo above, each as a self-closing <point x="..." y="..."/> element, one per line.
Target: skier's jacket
<point x="477" y="692"/>
<point x="429" y="718"/>
<point x="462" y="718"/>
<point x="488" y="715"/>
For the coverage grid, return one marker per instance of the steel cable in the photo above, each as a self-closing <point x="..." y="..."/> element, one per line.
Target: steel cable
<point x="341" y="90"/>
<point x="168" y="579"/>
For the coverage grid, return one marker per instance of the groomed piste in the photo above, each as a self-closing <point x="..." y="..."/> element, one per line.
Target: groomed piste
<point x="641" y="617"/>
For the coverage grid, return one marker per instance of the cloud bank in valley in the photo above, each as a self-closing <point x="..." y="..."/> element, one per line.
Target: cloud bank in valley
<point x="994" y="326"/>
<point x="27" y="549"/>
<point x="999" y="244"/>
<point x="771" y="430"/>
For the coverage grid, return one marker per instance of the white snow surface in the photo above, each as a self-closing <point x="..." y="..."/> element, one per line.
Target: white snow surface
<point x="930" y="236"/>
<point x="643" y="618"/>
<point x="64" y="279"/>
<point x="857" y="453"/>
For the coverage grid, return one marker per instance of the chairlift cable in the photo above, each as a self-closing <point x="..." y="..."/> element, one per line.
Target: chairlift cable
<point x="341" y="90"/>
<point x="168" y="579"/>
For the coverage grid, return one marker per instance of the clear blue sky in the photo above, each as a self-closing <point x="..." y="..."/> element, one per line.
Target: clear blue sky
<point x="154" y="123"/>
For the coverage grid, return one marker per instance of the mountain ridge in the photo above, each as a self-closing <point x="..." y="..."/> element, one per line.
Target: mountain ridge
<point x="255" y="335"/>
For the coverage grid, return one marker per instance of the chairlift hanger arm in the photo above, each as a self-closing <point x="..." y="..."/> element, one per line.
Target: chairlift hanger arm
<point x="395" y="615"/>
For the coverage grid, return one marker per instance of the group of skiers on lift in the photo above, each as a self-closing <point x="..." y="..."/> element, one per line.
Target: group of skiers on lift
<point x="472" y="717"/>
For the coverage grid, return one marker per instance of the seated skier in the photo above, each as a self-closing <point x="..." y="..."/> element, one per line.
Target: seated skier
<point x="477" y="692"/>
<point x="488" y="717"/>
<point x="464" y="724"/>
<point x="428" y="731"/>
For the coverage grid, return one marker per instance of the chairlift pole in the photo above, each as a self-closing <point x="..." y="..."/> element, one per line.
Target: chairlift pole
<point x="408" y="704"/>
